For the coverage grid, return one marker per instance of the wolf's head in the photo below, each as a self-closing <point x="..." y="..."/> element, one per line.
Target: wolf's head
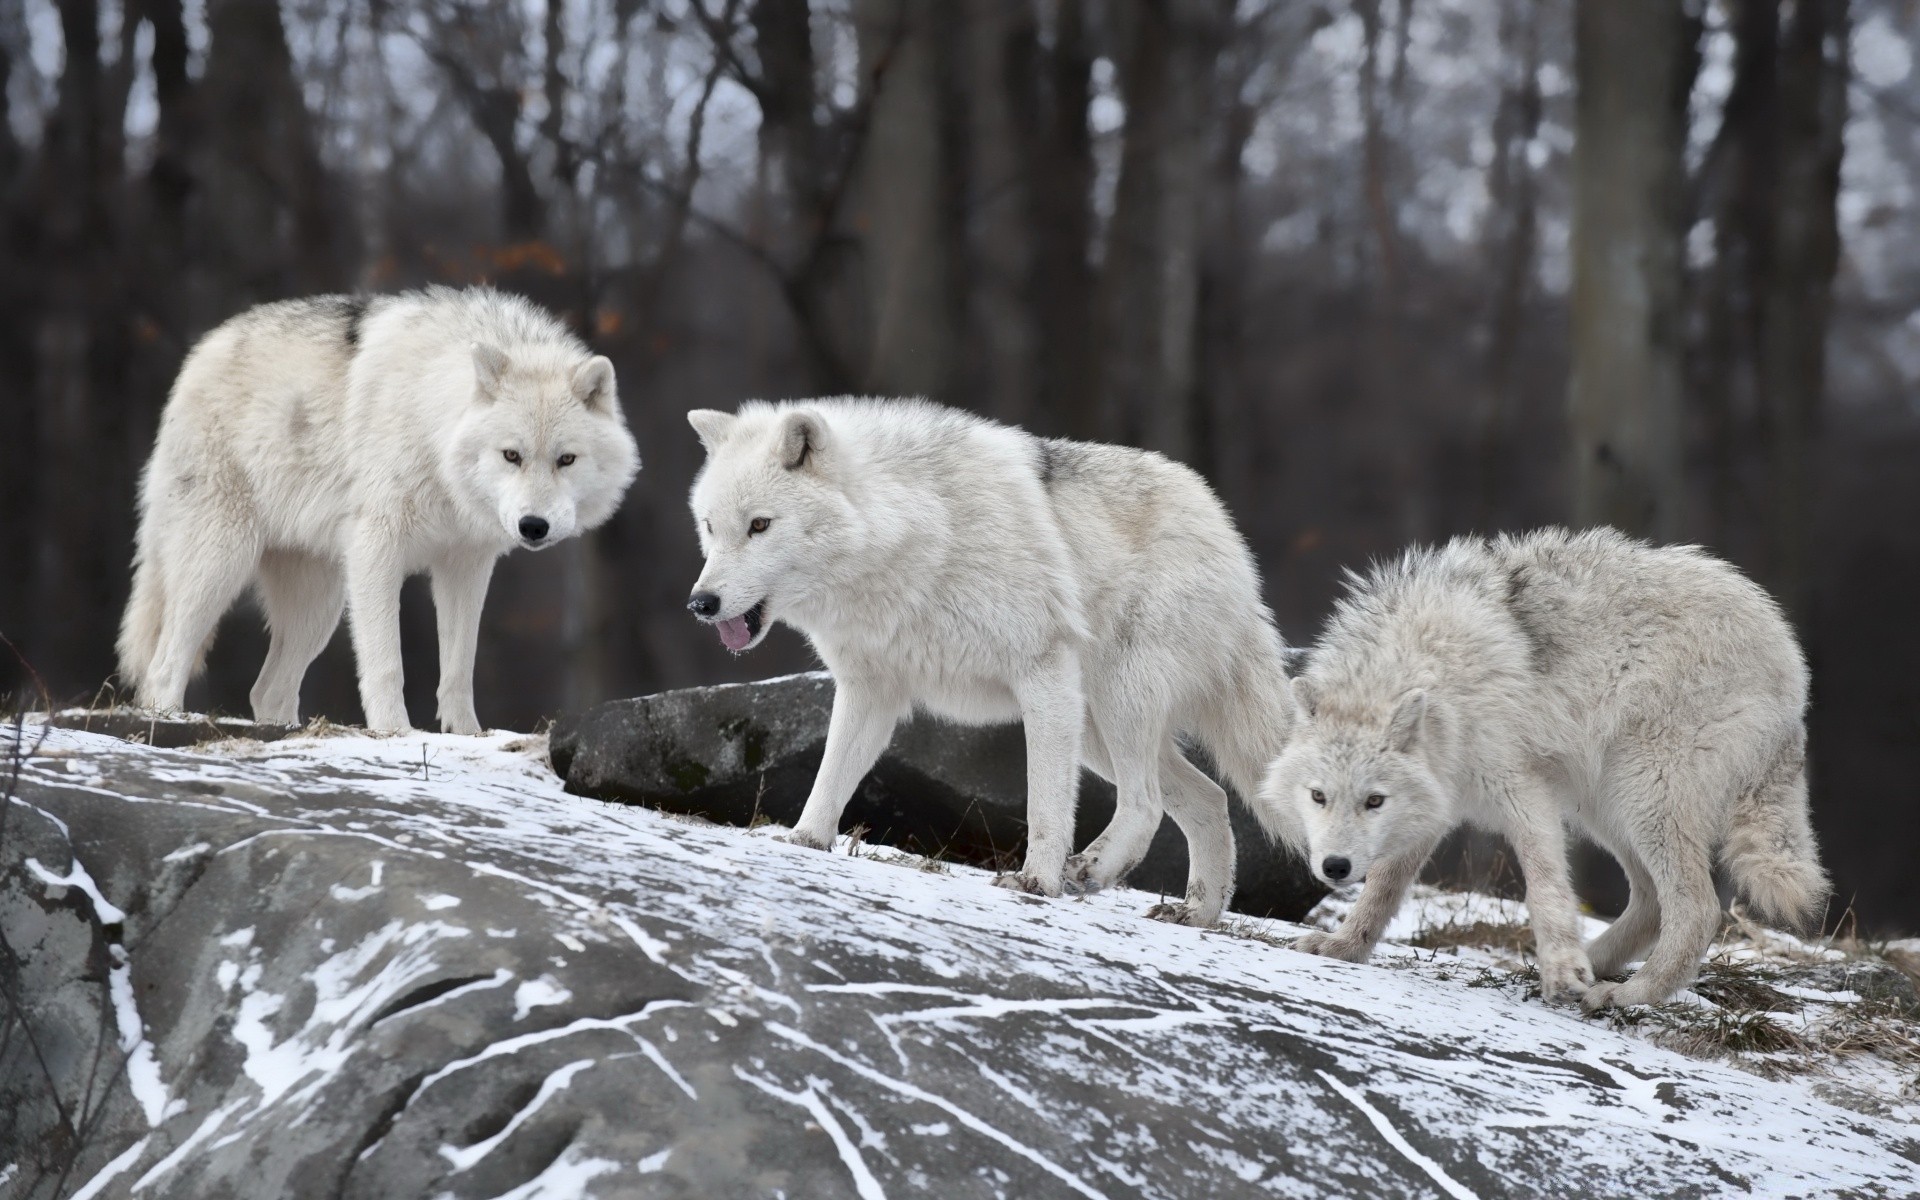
<point x="543" y="447"/>
<point x="764" y="507"/>
<point x="1353" y="789"/>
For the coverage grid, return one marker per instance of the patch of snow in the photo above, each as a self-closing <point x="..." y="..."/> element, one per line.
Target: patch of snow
<point x="77" y="877"/>
<point x="863" y="1181"/>
<point x="143" y="1072"/>
<point x="361" y="893"/>
<point x="538" y="993"/>
<point x="115" y="1167"/>
<point x="463" y="1157"/>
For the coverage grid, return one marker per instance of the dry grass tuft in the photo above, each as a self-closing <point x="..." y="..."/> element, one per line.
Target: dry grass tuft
<point x="1491" y="935"/>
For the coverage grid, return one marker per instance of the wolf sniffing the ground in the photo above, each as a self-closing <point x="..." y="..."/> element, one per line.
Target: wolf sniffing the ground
<point x="324" y="449"/>
<point x="939" y="561"/>
<point x="1650" y="696"/>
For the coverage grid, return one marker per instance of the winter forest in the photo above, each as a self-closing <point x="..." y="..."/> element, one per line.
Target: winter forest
<point x="1384" y="271"/>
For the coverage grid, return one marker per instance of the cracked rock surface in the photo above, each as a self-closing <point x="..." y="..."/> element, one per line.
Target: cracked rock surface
<point x="416" y="967"/>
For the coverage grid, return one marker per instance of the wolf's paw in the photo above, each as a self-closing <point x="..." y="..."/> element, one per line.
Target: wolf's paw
<point x="1614" y="995"/>
<point x="1565" y="980"/>
<point x="1180" y="913"/>
<point x="800" y="837"/>
<point x="1332" y="945"/>
<point x="1021" y="881"/>
<point x="1080" y="877"/>
<point x="465" y="724"/>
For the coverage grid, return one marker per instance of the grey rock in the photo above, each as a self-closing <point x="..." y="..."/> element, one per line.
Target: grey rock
<point x="744" y="753"/>
<point x="414" y="967"/>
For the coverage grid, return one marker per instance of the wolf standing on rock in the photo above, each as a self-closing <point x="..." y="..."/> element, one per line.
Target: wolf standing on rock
<point x="1652" y="696"/>
<point x="324" y="449"/>
<point x="941" y="561"/>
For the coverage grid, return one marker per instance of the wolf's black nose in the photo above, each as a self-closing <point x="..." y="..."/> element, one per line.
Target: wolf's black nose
<point x="532" y="528"/>
<point x="704" y="604"/>
<point x="1336" y="868"/>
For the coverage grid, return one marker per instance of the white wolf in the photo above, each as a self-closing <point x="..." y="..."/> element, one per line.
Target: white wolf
<point x="324" y="449"/>
<point x="1653" y="696"/>
<point x="941" y="561"/>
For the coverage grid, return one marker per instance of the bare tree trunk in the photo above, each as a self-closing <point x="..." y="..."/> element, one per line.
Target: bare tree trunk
<point x="1799" y="286"/>
<point x="1000" y="344"/>
<point x="1634" y="72"/>
<point x="1735" y="188"/>
<point x="270" y="212"/>
<point x="1514" y="195"/>
<point x="1052" y="88"/>
<point x="1151" y="280"/>
<point x="907" y="190"/>
<point x="75" y="590"/>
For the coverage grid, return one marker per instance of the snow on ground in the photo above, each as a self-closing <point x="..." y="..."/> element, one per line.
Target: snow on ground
<point x="1267" y="1060"/>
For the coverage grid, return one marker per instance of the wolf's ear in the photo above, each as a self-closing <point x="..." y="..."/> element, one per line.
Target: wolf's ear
<point x="489" y="364"/>
<point x="1304" y="695"/>
<point x="1403" y="728"/>
<point x="712" y="425"/>
<point x="803" y="435"/>
<point x="593" y="383"/>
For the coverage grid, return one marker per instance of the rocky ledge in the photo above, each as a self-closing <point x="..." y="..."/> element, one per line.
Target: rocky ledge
<point x="352" y="966"/>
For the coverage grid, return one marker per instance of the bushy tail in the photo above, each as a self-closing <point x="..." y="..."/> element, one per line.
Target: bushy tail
<point x="1770" y="853"/>
<point x="1247" y="726"/>
<point x="140" y="627"/>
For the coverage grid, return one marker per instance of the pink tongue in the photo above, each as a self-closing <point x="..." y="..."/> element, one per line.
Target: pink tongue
<point x="734" y="634"/>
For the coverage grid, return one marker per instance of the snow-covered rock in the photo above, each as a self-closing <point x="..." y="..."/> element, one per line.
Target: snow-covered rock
<point x="416" y="967"/>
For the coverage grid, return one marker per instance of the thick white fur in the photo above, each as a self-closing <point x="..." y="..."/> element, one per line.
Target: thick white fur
<point x="324" y="449"/>
<point x="940" y="561"/>
<point x="1651" y="696"/>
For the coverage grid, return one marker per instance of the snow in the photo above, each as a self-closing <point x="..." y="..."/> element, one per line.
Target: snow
<point x="1175" y="1016"/>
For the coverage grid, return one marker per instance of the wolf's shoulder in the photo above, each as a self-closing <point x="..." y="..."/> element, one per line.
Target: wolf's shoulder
<point x="330" y="316"/>
<point x="480" y="313"/>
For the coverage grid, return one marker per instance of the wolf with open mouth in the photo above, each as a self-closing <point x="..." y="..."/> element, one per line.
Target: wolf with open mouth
<point x="939" y="561"/>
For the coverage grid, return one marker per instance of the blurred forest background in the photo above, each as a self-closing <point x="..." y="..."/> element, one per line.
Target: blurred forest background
<point x="1383" y="270"/>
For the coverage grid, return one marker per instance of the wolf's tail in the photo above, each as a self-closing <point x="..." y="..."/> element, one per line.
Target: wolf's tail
<point x="1247" y="725"/>
<point x="1770" y="852"/>
<point x="140" y="626"/>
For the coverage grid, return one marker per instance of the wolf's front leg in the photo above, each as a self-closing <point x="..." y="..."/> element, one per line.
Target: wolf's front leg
<point x="1539" y="839"/>
<point x="1380" y="898"/>
<point x="1055" y="715"/>
<point x="859" y="729"/>
<point x="459" y="592"/>
<point x="374" y="575"/>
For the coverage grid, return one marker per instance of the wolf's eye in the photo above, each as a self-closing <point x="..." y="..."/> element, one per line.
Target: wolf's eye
<point x="512" y="456"/>
<point x="757" y="525"/>
<point x="1376" y="800"/>
<point x="567" y="460"/>
<point x="1319" y="797"/>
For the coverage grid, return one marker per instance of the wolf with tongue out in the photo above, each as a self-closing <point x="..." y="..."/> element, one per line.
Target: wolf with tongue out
<point x="939" y="561"/>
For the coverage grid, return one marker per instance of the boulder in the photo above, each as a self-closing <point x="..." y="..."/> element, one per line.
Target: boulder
<point x="745" y="753"/>
<point x="394" y="968"/>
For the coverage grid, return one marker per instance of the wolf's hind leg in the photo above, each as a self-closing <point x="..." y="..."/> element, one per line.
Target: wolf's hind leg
<point x="859" y="729"/>
<point x="1633" y="931"/>
<point x="1198" y="806"/>
<point x="303" y="597"/>
<point x="1137" y="809"/>
<point x="1660" y="795"/>
<point x="459" y="592"/>
<point x="206" y="570"/>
